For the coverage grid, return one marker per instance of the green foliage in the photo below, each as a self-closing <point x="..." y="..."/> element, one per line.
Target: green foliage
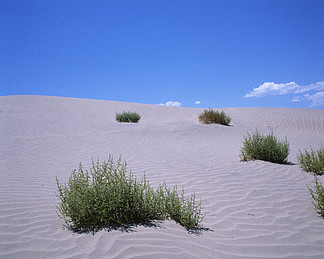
<point x="107" y="197"/>
<point x="128" y="117"/>
<point x="312" y="161"/>
<point x="317" y="193"/>
<point x="210" y="116"/>
<point x="267" y="148"/>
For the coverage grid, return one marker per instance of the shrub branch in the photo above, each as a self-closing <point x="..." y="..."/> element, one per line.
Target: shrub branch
<point x="210" y="116"/>
<point x="312" y="161"/>
<point x="107" y="197"/>
<point x="267" y="148"/>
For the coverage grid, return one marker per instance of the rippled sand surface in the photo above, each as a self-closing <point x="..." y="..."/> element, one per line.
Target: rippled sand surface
<point x="253" y="210"/>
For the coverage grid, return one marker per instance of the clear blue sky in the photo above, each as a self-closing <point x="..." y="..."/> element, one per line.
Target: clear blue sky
<point x="219" y="53"/>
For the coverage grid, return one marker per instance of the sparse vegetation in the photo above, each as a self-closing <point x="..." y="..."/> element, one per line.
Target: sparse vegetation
<point x="317" y="193"/>
<point x="267" y="148"/>
<point x="312" y="161"/>
<point x="107" y="197"/>
<point x="210" y="116"/>
<point x="128" y="117"/>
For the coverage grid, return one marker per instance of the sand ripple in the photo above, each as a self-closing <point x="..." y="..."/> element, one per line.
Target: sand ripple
<point x="253" y="210"/>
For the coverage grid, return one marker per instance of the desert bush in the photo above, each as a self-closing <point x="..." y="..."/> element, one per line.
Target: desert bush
<point x="317" y="193"/>
<point x="210" y="116"/>
<point x="107" y="197"/>
<point x="267" y="148"/>
<point x="312" y="161"/>
<point x="128" y="117"/>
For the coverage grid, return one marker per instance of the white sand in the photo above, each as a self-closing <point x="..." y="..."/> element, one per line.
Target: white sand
<point x="255" y="209"/>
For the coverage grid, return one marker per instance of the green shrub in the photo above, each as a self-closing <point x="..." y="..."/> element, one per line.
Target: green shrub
<point x="128" y="117"/>
<point x="312" y="161"/>
<point x="210" y="116"/>
<point x="317" y="193"/>
<point x="107" y="197"/>
<point x="267" y="148"/>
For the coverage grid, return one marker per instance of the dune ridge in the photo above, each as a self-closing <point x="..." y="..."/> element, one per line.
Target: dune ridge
<point x="253" y="210"/>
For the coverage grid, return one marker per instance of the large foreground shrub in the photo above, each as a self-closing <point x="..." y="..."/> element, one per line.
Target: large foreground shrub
<point x="107" y="197"/>
<point x="267" y="148"/>
<point x="210" y="116"/>
<point x="312" y="161"/>
<point x="317" y="193"/>
<point x="128" y="117"/>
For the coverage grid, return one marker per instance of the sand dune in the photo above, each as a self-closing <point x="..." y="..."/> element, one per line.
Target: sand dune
<point x="253" y="210"/>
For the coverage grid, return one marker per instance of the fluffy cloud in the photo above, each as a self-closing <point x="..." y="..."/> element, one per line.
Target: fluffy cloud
<point x="296" y="99"/>
<point x="271" y="88"/>
<point x="197" y="102"/>
<point x="317" y="99"/>
<point x="171" y="103"/>
<point x="318" y="86"/>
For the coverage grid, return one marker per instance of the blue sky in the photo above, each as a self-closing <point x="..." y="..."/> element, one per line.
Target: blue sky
<point x="200" y="53"/>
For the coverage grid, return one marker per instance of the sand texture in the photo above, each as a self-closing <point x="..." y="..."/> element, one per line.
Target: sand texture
<point x="253" y="210"/>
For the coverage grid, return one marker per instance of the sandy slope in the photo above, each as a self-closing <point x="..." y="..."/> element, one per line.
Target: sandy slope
<point x="254" y="209"/>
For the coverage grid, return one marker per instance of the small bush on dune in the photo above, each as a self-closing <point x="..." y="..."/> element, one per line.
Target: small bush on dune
<point x="128" y="117"/>
<point x="317" y="193"/>
<point x="210" y="116"/>
<point x="107" y="197"/>
<point x="267" y="148"/>
<point x="312" y="161"/>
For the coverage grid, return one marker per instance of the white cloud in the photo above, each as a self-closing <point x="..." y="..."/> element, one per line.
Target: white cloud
<point x="197" y="102"/>
<point x="171" y="103"/>
<point x="318" y="86"/>
<point x="317" y="99"/>
<point x="296" y="99"/>
<point x="271" y="88"/>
